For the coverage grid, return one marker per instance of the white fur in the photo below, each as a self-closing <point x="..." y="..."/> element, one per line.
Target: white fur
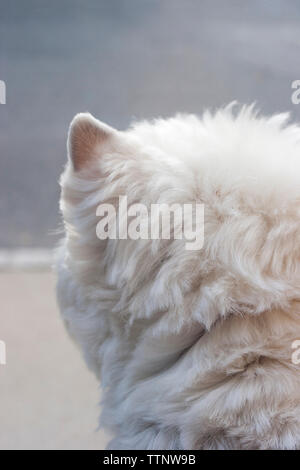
<point x="193" y="348"/>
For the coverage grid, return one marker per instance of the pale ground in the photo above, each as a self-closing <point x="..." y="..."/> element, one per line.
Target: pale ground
<point x="48" y="399"/>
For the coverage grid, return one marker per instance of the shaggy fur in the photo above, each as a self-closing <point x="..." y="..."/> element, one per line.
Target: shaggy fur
<point x="193" y="348"/>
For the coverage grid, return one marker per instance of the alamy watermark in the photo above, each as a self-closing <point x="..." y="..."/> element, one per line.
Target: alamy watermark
<point x="2" y="92"/>
<point x="2" y="353"/>
<point x="296" y="94"/>
<point x="160" y="221"/>
<point x="296" y="353"/>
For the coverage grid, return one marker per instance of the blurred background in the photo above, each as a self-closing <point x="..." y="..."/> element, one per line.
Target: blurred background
<point x="122" y="60"/>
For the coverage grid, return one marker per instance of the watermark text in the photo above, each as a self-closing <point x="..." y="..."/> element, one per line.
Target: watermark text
<point x="2" y="353"/>
<point x="296" y="94"/>
<point x="296" y="353"/>
<point x="159" y="221"/>
<point x="2" y="92"/>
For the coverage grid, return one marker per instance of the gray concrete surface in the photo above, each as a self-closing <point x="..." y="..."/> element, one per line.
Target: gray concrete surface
<point x="124" y="59"/>
<point x="48" y="399"/>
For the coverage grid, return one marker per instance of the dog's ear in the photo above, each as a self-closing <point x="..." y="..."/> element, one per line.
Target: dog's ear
<point x="88" y="140"/>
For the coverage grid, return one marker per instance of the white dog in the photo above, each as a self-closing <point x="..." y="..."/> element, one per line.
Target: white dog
<point x="193" y="348"/>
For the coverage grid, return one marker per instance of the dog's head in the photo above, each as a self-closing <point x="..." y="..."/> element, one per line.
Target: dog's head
<point x="244" y="169"/>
